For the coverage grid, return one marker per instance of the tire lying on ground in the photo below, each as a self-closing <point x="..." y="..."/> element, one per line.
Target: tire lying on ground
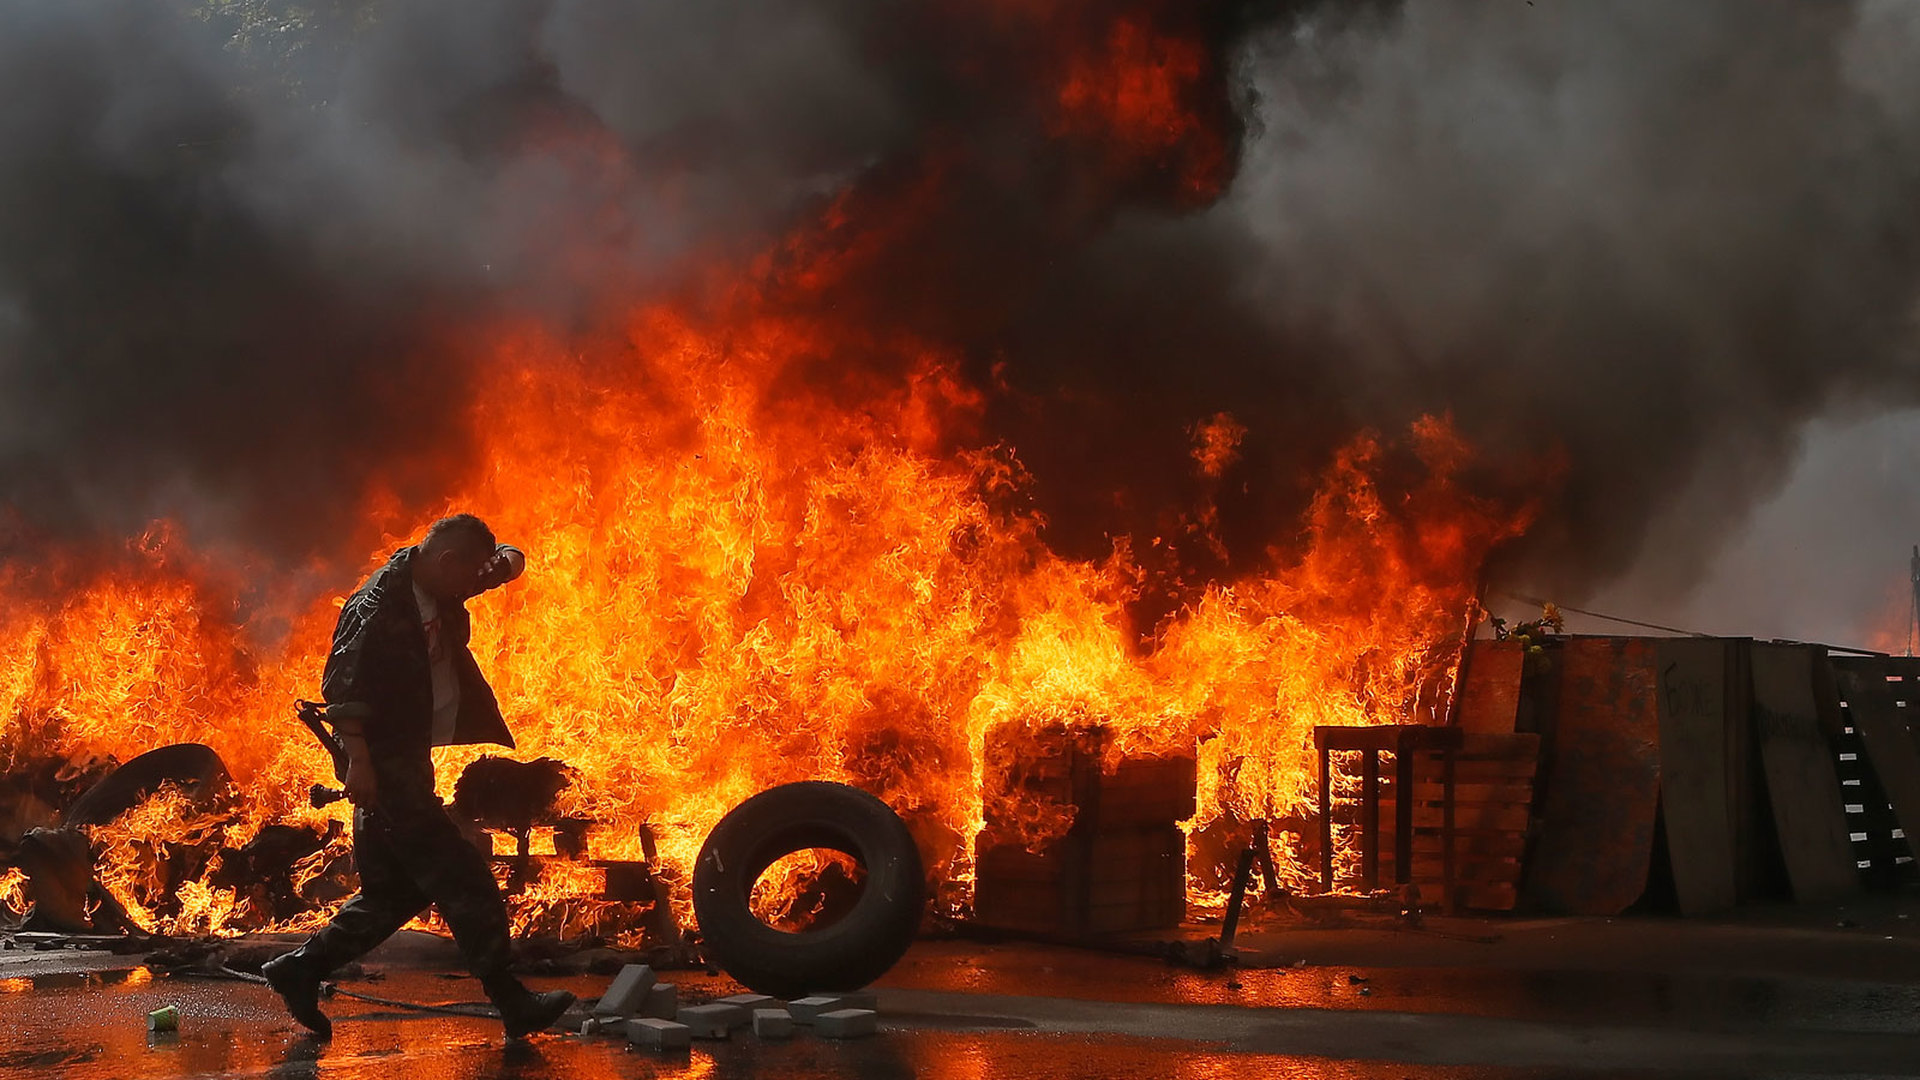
<point x="846" y="955"/>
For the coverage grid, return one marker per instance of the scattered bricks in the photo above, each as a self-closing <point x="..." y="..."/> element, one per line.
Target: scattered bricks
<point x="749" y="1002"/>
<point x="807" y="1009"/>
<point x="657" y="1034"/>
<point x="663" y="1001"/>
<point x="714" y="1021"/>
<point x="590" y="1026"/>
<point x="772" y="1024"/>
<point x="627" y="993"/>
<point x="846" y="1023"/>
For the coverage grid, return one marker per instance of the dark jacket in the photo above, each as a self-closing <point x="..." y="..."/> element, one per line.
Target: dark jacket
<point x="379" y="668"/>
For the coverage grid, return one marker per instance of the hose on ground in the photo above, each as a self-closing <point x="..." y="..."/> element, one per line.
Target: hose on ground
<point x="328" y="989"/>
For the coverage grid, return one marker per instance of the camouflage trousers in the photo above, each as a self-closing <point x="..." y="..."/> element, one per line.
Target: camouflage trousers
<point x="410" y="855"/>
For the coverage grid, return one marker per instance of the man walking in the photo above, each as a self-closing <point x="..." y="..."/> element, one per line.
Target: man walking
<point x="398" y="682"/>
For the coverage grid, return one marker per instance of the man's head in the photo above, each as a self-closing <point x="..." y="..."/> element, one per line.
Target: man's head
<point x="448" y="563"/>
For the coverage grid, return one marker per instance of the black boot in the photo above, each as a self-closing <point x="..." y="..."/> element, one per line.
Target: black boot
<point x="524" y="1012"/>
<point x="296" y="978"/>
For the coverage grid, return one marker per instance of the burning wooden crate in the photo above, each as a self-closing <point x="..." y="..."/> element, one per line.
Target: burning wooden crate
<point x="1121" y="864"/>
<point x="1459" y="835"/>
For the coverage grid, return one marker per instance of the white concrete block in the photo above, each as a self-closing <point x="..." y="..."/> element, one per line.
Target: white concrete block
<point x="806" y="1009"/>
<point x="657" y="1034"/>
<point x="846" y="1023"/>
<point x="772" y="1024"/>
<point x="627" y="993"/>
<point x="713" y="1021"/>
<point x="749" y="1002"/>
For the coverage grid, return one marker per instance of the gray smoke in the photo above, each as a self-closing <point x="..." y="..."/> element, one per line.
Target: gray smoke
<point x="1662" y="236"/>
<point x="1823" y="559"/>
<point x="240" y="239"/>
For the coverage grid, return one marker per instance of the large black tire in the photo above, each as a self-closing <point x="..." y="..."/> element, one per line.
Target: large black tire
<point x="195" y="768"/>
<point x="846" y="955"/>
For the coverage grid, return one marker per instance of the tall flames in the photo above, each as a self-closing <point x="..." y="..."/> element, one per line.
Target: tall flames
<point x="768" y="542"/>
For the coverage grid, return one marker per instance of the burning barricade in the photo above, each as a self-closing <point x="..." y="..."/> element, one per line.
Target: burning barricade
<point x="883" y="652"/>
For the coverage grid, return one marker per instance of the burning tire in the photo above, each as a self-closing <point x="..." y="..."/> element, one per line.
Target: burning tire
<point x="853" y="951"/>
<point x="194" y="768"/>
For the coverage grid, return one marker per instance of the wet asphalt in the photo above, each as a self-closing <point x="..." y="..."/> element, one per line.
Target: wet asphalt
<point x="989" y="1011"/>
<point x="94" y="1026"/>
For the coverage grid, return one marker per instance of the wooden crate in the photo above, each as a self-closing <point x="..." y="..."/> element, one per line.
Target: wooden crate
<point x="1121" y="864"/>
<point x="1086" y="882"/>
<point x="1067" y="767"/>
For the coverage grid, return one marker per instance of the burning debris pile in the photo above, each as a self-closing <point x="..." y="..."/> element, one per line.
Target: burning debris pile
<point x="866" y="394"/>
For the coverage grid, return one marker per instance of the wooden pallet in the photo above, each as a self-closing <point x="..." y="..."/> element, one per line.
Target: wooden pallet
<point x="1467" y="814"/>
